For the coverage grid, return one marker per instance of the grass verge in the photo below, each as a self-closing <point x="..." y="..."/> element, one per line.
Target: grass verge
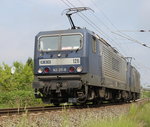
<point x="138" y="116"/>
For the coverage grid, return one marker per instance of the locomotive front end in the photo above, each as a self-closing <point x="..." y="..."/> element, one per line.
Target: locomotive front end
<point x="59" y="63"/>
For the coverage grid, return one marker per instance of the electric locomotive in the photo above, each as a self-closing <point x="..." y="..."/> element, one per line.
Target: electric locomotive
<point x="78" y="66"/>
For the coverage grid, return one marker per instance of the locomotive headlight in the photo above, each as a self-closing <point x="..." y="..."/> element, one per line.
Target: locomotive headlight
<point x="79" y="69"/>
<point x="40" y="70"/>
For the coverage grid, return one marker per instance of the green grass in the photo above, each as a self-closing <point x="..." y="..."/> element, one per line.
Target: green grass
<point x="146" y="94"/>
<point x="19" y="98"/>
<point x="138" y="116"/>
<point x="144" y="115"/>
<point x="113" y="122"/>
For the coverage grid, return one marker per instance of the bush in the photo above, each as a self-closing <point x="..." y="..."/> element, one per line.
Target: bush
<point x="16" y="89"/>
<point x="20" y="80"/>
<point x="19" y="98"/>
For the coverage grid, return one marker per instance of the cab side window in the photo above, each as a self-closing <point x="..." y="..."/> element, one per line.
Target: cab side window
<point x="93" y="44"/>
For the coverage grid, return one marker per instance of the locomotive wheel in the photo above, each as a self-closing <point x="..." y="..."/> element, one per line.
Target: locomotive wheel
<point x="84" y="96"/>
<point x="74" y="104"/>
<point x="46" y="100"/>
<point x="82" y="101"/>
<point x="97" y="102"/>
<point x="56" y="104"/>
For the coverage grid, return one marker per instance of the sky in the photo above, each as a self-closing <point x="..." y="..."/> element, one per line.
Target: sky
<point x="21" y="20"/>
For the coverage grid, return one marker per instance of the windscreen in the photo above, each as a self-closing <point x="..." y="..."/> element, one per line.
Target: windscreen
<point x="70" y="42"/>
<point x="49" y="43"/>
<point x="60" y="42"/>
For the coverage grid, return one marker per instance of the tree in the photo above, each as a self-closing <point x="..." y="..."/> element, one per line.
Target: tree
<point x="30" y="62"/>
<point x="20" y="80"/>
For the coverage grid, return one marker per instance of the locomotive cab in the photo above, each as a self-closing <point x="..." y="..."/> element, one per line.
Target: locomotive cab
<point x="60" y="61"/>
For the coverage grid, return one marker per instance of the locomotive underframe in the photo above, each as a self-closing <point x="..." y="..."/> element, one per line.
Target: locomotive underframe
<point x="73" y="89"/>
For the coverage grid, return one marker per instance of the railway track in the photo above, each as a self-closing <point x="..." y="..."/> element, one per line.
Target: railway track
<point x="10" y="111"/>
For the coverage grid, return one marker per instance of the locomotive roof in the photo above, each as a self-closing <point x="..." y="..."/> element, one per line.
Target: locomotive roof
<point x="83" y="30"/>
<point x="80" y="30"/>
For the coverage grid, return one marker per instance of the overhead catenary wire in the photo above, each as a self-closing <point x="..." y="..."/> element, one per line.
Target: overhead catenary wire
<point x="144" y="66"/>
<point x="142" y="30"/>
<point x="70" y="4"/>
<point x="96" y="17"/>
<point x="120" y="32"/>
<point x="143" y="69"/>
<point x="97" y="28"/>
<point x="123" y="34"/>
<point x="131" y="39"/>
<point x="100" y="31"/>
<point x="102" y="12"/>
<point x="107" y="18"/>
<point x="90" y="22"/>
<point x="83" y="17"/>
<point x="111" y="39"/>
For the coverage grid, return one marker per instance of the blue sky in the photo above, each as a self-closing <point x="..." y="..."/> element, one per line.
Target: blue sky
<point x="21" y="20"/>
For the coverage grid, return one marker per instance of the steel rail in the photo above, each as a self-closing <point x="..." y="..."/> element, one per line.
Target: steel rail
<point x="10" y="111"/>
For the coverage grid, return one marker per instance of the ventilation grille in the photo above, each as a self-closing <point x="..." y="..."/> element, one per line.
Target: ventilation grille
<point x="113" y="65"/>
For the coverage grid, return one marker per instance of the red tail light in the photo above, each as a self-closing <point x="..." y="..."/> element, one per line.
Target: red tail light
<point x="71" y="69"/>
<point x="46" y="70"/>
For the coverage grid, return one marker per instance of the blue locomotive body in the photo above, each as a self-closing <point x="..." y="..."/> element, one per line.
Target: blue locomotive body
<point x="78" y="66"/>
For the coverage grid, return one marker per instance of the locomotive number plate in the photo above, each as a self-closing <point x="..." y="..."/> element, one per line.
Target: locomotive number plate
<point x="62" y="61"/>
